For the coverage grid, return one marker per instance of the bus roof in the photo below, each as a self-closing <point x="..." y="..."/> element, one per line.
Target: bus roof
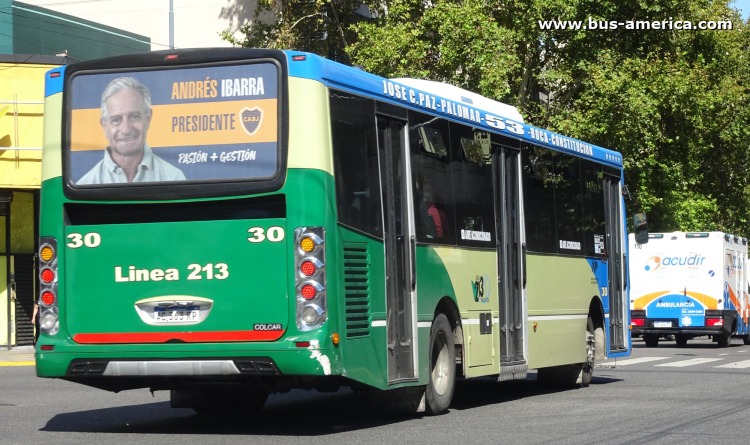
<point x="443" y="100"/>
<point x="435" y="98"/>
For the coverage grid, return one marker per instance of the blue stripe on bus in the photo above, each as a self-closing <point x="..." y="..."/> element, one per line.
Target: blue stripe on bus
<point x="336" y="75"/>
<point x="54" y="85"/>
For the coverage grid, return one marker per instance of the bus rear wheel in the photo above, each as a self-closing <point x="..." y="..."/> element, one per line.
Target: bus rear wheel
<point x="439" y="391"/>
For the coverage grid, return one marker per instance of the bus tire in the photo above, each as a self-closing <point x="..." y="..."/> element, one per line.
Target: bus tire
<point x="681" y="340"/>
<point x="651" y="340"/>
<point x="439" y="391"/>
<point x="587" y="370"/>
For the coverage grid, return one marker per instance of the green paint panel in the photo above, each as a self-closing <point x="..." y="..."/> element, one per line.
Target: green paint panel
<point x="362" y="300"/>
<point x="45" y="32"/>
<point x="207" y="259"/>
<point x="260" y="284"/>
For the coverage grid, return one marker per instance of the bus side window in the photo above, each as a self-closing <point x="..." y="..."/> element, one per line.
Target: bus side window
<point x="432" y="183"/>
<point x="593" y="209"/>
<point x="471" y="168"/>
<point x="539" y="199"/>
<point x="568" y="205"/>
<point x="356" y="172"/>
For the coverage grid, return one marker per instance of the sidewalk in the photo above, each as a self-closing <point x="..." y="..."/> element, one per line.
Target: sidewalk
<point x="23" y="356"/>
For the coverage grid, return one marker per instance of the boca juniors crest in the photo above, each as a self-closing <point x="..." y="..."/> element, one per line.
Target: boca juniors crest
<point x="251" y="119"/>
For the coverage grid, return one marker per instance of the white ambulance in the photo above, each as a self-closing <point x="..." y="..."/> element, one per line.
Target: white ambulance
<point x="689" y="284"/>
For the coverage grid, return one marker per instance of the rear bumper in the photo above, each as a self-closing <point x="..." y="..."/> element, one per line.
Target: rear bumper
<point x="236" y="360"/>
<point x="729" y="317"/>
<point x="674" y="331"/>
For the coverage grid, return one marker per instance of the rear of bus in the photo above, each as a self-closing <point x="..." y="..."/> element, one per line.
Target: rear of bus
<point x="205" y="264"/>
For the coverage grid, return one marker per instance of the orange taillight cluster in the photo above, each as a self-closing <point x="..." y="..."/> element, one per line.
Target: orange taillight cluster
<point x="310" y="277"/>
<point x="49" y="319"/>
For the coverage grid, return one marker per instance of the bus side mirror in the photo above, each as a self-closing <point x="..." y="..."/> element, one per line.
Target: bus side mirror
<point x="640" y="223"/>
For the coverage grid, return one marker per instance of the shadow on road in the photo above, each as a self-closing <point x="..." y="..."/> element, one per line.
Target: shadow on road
<point x="487" y="391"/>
<point x="332" y="412"/>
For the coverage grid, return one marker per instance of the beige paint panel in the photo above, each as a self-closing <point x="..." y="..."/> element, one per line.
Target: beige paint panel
<point x="52" y="157"/>
<point x="559" y="285"/>
<point x="465" y="266"/>
<point x="557" y="342"/>
<point x="480" y="351"/>
<point x="309" y="127"/>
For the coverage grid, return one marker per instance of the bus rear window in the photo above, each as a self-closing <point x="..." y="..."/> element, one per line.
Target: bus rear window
<point x="195" y="124"/>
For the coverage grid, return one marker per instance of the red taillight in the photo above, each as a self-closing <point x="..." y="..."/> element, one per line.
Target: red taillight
<point x="47" y="347"/>
<point x="299" y="58"/>
<point x="714" y="322"/>
<point x="55" y="74"/>
<point x="48" y="276"/>
<point x="637" y="322"/>
<point x="308" y="268"/>
<point x="171" y="56"/>
<point x="303" y="344"/>
<point x="48" y="298"/>
<point x="308" y="291"/>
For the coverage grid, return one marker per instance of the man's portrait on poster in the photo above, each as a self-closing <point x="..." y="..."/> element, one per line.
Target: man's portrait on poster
<point x="125" y="118"/>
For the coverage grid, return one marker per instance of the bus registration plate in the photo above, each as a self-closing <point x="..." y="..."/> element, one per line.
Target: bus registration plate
<point x="662" y="324"/>
<point x="178" y="316"/>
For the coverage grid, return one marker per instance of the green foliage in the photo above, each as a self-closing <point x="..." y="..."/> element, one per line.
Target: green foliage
<point x="673" y="102"/>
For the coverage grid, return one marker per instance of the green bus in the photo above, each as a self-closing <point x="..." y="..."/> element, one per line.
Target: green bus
<point x="229" y="223"/>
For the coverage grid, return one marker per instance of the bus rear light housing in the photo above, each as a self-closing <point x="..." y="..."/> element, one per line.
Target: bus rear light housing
<point x="310" y="277"/>
<point x="49" y="316"/>
<point x="48" y="298"/>
<point x="47" y="275"/>
<point x="714" y="322"/>
<point x="637" y="322"/>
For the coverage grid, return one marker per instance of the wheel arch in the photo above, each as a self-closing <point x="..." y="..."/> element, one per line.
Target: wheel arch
<point x="448" y="307"/>
<point x="596" y="312"/>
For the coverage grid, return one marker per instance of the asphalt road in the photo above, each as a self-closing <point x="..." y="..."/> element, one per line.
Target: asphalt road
<point x="693" y="395"/>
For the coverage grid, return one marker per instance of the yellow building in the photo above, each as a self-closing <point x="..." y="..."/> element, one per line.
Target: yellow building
<point x="30" y="38"/>
<point x="21" y="123"/>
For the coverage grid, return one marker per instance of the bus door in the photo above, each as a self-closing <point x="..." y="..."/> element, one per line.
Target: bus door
<point x="511" y="253"/>
<point x="399" y="249"/>
<point x="615" y="259"/>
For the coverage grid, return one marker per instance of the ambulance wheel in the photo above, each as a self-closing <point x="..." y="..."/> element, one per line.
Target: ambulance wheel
<point x="651" y="340"/>
<point x="439" y="391"/>
<point x="681" y="340"/>
<point x="746" y="339"/>
<point x="723" y="341"/>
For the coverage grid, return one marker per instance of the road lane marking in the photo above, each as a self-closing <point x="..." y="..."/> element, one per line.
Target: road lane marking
<point x="744" y="350"/>
<point x="633" y="361"/>
<point x="737" y="365"/>
<point x="691" y="362"/>
<point x="17" y="363"/>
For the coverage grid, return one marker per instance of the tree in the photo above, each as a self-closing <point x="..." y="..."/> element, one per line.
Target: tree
<point x="673" y="102"/>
